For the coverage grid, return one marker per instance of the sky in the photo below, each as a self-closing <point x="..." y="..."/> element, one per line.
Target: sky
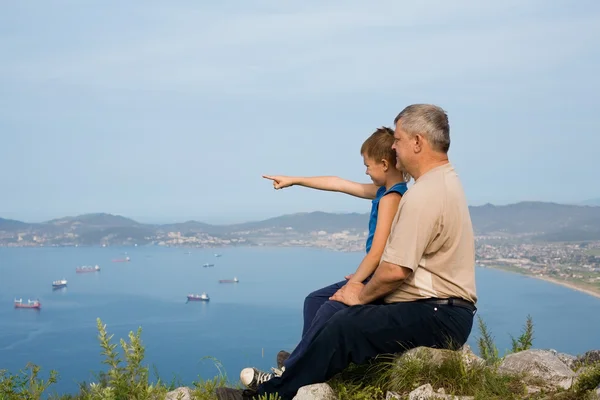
<point x="170" y="111"/>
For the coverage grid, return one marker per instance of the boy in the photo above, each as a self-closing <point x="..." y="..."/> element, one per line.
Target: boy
<point x="389" y="184"/>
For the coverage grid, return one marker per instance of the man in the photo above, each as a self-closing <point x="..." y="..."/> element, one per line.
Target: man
<point x="426" y="276"/>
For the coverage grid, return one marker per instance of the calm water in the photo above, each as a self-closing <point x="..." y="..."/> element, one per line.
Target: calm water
<point x="263" y="312"/>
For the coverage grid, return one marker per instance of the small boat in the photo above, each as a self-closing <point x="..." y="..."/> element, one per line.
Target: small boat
<point x="234" y="280"/>
<point x="217" y="255"/>
<point x="30" y="304"/>
<point x="198" y="297"/>
<point x="126" y="259"/>
<point x="59" y="284"/>
<point x="208" y="265"/>
<point x="87" y="269"/>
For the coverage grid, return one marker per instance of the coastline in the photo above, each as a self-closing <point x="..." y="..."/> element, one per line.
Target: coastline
<point x="569" y="285"/>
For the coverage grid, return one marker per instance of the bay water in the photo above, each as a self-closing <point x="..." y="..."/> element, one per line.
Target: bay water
<point x="243" y="324"/>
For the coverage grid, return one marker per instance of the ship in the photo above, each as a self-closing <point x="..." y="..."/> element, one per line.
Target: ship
<point x="87" y="269"/>
<point x="30" y="304"/>
<point x="198" y="297"/>
<point x="59" y="284"/>
<point x="234" y="280"/>
<point x="208" y="265"/>
<point x="217" y="255"/>
<point x="126" y="259"/>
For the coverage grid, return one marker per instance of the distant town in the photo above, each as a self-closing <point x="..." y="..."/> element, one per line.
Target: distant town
<point x="560" y="243"/>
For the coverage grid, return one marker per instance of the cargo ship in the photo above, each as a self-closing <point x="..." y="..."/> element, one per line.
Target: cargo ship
<point x="198" y="297"/>
<point x="87" y="269"/>
<point x="208" y="265"/>
<point x="59" y="284"/>
<point x="126" y="259"/>
<point x="30" y="304"/>
<point x="234" y="280"/>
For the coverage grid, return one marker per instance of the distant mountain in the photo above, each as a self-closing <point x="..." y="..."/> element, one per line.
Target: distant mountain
<point x="538" y="220"/>
<point x="189" y="227"/>
<point x="307" y="222"/>
<point x="591" y="202"/>
<point x="11" y="224"/>
<point x="91" y="221"/>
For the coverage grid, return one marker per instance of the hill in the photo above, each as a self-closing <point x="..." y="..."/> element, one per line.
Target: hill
<point x="537" y="220"/>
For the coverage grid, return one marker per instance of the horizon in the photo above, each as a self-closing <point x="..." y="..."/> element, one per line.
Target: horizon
<point x="172" y="111"/>
<point x="154" y="221"/>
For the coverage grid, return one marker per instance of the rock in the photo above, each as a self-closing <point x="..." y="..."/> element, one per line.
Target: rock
<point x="426" y="392"/>
<point x="590" y="357"/>
<point x="319" y="391"/>
<point x="438" y="356"/>
<point x="568" y="359"/>
<point x="392" y="396"/>
<point x="182" y="393"/>
<point x="541" y="364"/>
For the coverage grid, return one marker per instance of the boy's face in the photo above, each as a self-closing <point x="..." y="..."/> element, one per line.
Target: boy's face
<point x="375" y="170"/>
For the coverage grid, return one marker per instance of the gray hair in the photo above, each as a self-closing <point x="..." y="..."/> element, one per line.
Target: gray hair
<point x="429" y="121"/>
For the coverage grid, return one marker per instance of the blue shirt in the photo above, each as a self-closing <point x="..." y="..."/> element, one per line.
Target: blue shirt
<point x="398" y="188"/>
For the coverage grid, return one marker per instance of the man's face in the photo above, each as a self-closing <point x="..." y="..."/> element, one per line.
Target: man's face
<point x="403" y="148"/>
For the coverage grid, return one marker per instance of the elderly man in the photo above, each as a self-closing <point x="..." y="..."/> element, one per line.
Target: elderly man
<point x="426" y="276"/>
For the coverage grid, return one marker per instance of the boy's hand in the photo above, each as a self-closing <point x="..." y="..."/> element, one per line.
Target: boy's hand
<point x="280" y="182"/>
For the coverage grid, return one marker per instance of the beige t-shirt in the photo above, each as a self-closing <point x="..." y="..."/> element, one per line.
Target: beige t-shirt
<point x="432" y="235"/>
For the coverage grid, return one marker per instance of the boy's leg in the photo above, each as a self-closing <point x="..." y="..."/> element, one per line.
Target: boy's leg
<point x="357" y="334"/>
<point x="314" y="301"/>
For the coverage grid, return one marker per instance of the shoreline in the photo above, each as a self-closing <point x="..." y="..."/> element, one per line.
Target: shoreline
<point x="569" y="285"/>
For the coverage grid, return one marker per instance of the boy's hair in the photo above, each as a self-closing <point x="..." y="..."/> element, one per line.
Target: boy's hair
<point x="378" y="147"/>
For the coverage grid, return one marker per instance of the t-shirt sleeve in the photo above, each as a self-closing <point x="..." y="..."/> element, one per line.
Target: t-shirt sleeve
<point x="417" y="226"/>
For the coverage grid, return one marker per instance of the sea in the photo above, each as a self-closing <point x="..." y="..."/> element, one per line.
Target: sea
<point x="243" y="324"/>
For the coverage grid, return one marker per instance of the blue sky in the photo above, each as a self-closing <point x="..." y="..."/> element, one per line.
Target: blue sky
<point x="166" y="111"/>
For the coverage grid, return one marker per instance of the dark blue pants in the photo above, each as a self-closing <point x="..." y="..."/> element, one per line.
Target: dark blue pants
<point x="359" y="333"/>
<point x="318" y="309"/>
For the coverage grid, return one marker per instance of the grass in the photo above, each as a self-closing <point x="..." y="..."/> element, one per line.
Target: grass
<point x="128" y="378"/>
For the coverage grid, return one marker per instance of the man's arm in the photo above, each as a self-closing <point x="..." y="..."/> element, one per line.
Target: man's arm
<point x="387" y="278"/>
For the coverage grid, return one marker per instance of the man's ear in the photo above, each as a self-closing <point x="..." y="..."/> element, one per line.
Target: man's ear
<point x="418" y="143"/>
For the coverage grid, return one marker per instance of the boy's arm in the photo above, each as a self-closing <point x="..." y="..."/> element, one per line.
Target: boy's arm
<point x="388" y="206"/>
<point x="329" y="183"/>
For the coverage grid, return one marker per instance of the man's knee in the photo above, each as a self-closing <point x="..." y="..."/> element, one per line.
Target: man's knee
<point x="340" y="321"/>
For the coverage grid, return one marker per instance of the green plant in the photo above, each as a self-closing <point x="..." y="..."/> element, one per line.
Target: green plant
<point x="589" y="379"/>
<point x="25" y="385"/>
<point x="525" y="340"/>
<point x="126" y="378"/>
<point x="487" y="348"/>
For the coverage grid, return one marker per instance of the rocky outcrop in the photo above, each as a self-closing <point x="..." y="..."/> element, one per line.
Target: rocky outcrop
<point x="438" y="356"/>
<point x="540" y="370"/>
<point x="319" y="391"/>
<point x="182" y="393"/>
<point x="541" y="365"/>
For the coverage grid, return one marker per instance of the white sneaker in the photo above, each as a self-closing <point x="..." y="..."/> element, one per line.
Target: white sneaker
<point x="252" y="377"/>
<point x="277" y="371"/>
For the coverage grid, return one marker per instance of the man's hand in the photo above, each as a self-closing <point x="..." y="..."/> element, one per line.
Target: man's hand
<point x="349" y="294"/>
<point x="347" y="277"/>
